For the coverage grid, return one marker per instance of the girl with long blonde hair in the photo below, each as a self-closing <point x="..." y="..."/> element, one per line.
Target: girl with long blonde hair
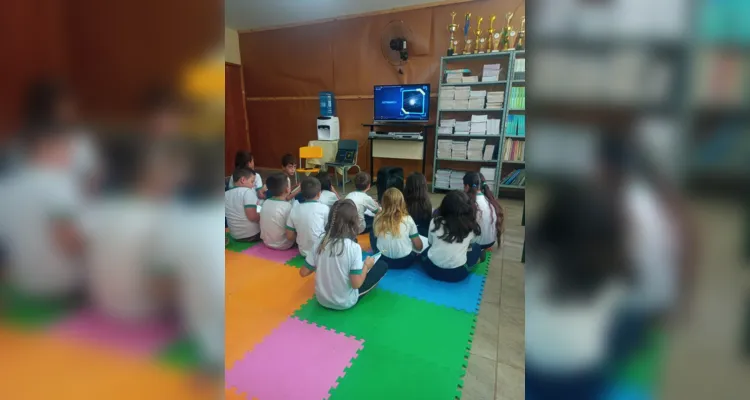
<point x="394" y="232"/>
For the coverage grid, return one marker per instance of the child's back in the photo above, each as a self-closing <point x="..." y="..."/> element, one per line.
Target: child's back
<point x="308" y="220"/>
<point x="236" y="200"/>
<point x="333" y="265"/>
<point x="34" y="201"/>
<point x="122" y="257"/>
<point x="273" y="218"/>
<point x="327" y="197"/>
<point x="486" y="218"/>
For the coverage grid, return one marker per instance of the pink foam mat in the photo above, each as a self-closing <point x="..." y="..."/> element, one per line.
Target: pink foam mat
<point x="266" y="253"/>
<point x="298" y="361"/>
<point x="97" y="328"/>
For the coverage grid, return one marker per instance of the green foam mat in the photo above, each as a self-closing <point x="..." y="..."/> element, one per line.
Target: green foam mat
<point x="236" y="246"/>
<point x="297" y="262"/>
<point x="483" y="267"/>
<point x="644" y="366"/>
<point x="182" y="354"/>
<point x="439" y="335"/>
<point x="384" y="373"/>
<point x="28" y="312"/>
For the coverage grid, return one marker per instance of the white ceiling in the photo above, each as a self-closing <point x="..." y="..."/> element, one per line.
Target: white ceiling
<point x="255" y="14"/>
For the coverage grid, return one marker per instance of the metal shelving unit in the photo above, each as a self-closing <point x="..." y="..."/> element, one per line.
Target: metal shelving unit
<point x="499" y="57"/>
<point x="513" y="81"/>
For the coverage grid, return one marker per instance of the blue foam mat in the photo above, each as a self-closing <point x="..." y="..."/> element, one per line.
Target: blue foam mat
<point x="413" y="282"/>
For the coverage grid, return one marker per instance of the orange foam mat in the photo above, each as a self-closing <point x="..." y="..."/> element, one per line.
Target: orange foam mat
<point x="364" y="242"/>
<point x="36" y="366"/>
<point x="260" y="295"/>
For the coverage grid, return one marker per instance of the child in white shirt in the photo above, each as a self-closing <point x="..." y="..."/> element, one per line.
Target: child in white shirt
<point x="453" y="231"/>
<point x="341" y="277"/>
<point x="394" y="232"/>
<point x="241" y="207"/>
<point x="307" y="221"/>
<point x="489" y="213"/>
<point x="41" y="218"/>
<point x="363" y="201"/>
<point x="328" y="194"/>
<point x="575" y="284"/>
<point x="245" y="159"/>
<point x="274" y="214"/>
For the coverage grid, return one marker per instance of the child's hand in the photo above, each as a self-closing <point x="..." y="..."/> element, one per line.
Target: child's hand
<point x="369" y="262"/>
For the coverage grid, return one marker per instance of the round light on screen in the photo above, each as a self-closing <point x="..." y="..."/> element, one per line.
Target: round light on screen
<point x="412" y="102"/>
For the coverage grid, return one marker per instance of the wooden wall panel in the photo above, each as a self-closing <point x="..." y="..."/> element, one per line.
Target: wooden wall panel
<point x="344" y="57"/>
<point x="32" y="43"/>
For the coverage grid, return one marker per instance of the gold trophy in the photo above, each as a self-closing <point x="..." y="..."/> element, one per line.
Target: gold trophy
<point x="452" y="29"/>
<point x="479" y="38"/>
<point x="508" y="32"/>
<point x="493" y="37"/>
<point x="467" y="39"/>
<point x="521" y="39"/>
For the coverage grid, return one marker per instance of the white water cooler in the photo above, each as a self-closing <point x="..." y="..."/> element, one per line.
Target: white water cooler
<point x="328" y="128"/>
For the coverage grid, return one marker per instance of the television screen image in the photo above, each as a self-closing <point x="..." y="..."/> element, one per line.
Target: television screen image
<point x="402" y="102"/>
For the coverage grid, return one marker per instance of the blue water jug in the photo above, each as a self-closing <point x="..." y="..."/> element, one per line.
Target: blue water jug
<point x="327" y="104"/>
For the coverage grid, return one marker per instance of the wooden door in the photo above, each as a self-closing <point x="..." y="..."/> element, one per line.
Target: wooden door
<point x="236" y="136"/>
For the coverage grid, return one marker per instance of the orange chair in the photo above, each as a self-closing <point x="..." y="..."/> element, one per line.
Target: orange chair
<point x="306" y="153"/>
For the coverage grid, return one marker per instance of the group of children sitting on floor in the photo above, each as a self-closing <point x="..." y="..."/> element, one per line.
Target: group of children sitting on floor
<point x="324" y="227"/>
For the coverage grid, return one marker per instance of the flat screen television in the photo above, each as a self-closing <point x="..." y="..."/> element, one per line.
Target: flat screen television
<point x="402" y="103"/>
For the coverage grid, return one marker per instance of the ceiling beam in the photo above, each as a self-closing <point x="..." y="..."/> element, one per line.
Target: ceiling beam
<point x="357" y="15"/>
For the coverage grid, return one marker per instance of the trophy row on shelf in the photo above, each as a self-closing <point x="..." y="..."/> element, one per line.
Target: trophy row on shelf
<point x="493" y="42"/>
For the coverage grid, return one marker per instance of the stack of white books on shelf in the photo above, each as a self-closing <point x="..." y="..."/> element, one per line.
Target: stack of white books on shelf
<point x="446" y="98"/>
<point x="444" y="148"/>
<point x="495" y="99"/>
<point x="470" y="79"/>
<point x="478" y="124"/>
<point x="458" y="149"/>
<point x="445" y="130"/>
<point x="442" y="178"/>
<point x="491" y="72"/>
<point x="489" y="176"/>
<point x="446" y="126"/>
<point x="493" y="126"/>
<point x="456" y="180"/>
<point x="463" y="127"/>
<point x="447" y="93"/>
<point x="488" y="150"/>
<point x="474" y="150"/>
<point x="454" y="77"/>
<point x="476" y="98"/>
<point x="461" y="92"/>
<point x="520" y="65"/>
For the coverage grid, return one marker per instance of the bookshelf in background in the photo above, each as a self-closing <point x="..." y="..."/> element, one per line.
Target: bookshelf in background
<point x="511" y="171"/>
<point x="471" y="117"/>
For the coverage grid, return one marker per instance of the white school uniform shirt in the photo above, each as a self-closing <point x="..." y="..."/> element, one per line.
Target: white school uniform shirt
<point x="31" y="199"/>
<point x="652" y="240"/>
<point x="333" y="287"/>
<point x="308" y="220"/>
<point x="568" y="336"/>
<point x="364" y="202"/>
<point x="486" y="218"/>
<point x="236" y="200"/>
<point x="122" y="257"/>
<point x="273" y="217"/>
<point x="195" y="254"/>
<point x="399" y="246"/>
<point x="447" y="255"/>
<point x="327" y="197"/>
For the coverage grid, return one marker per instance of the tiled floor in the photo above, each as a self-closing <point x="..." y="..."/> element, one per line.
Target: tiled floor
<point x="496" y="367"/>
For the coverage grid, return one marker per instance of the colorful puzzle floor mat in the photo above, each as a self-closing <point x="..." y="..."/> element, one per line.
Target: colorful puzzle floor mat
<point x="56" y="350"/>
<point x="410" y="338"/>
